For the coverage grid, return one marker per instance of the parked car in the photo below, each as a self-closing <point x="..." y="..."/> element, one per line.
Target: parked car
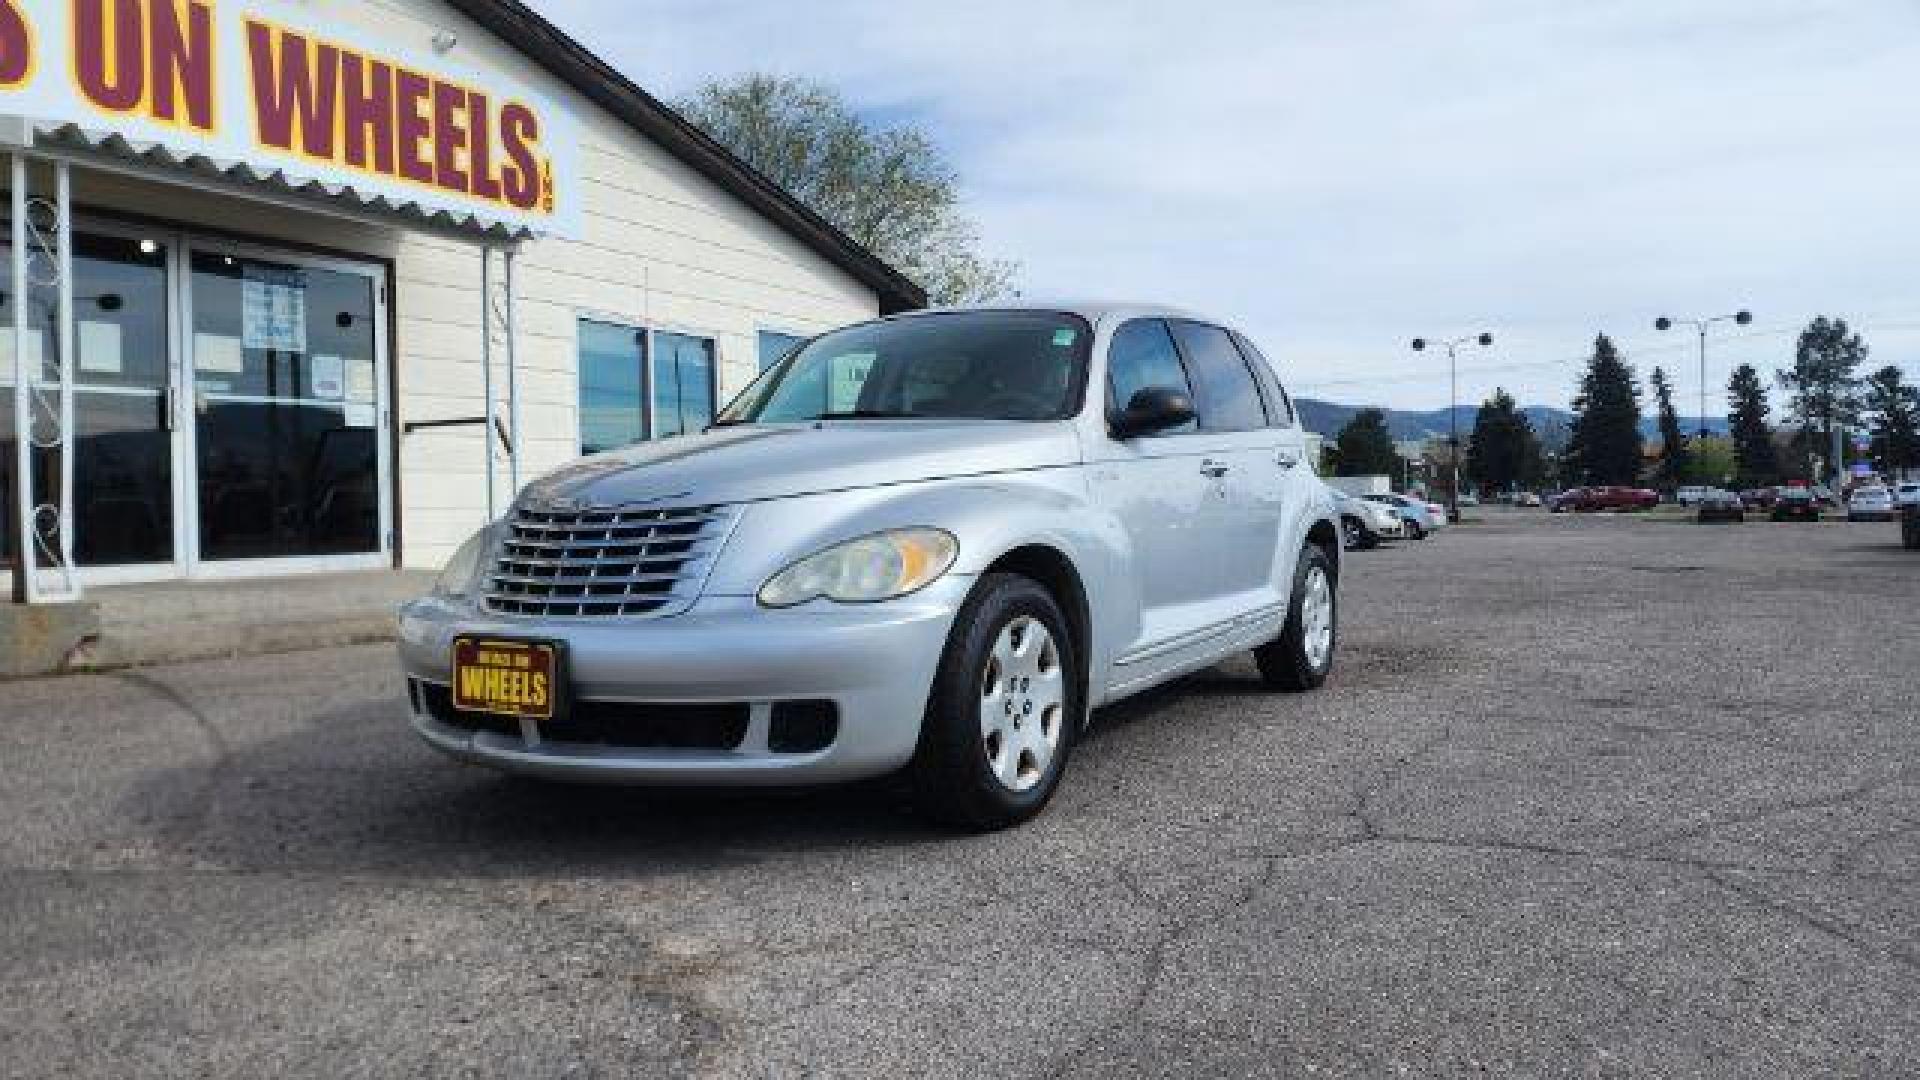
<point x="1759" y="498"/>
<point x="1365" y="524"/>
<point x="1561" y="502"/>
<point x="934" y="542"/>
<point x="1906" y="493"/>
<point x="1526" y="498"/>
<point x="1469" y="499"/>
<point x="1418" y="517"/>
<point x="1691" y="494"/>
<point x="1795" y="504"/>
<point x="1595" y="500"/>
<point x="1872" y="503"/>
<point x="1717" y="505"/>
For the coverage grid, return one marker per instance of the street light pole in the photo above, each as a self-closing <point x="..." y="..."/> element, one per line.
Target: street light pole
<point x="1663" y="323"/>
<point x="1453" y="412"/>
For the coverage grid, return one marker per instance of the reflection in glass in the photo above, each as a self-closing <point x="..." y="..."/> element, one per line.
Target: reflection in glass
<point x="610" y="397"/>
<point x="682" y="384"/>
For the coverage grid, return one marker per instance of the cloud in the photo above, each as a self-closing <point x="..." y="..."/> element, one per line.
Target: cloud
<point x="1338" y="178"/>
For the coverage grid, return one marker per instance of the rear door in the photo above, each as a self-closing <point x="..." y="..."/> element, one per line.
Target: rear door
<point x="1298" y="478"/>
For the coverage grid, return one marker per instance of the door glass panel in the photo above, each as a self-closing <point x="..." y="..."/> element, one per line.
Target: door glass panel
<point x="123" y="459"/>
<point x="285" y="395"/>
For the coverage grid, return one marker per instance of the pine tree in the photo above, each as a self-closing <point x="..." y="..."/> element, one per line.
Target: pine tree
<point x="1365" y="447"/>
<point x="1894" y="405"/>
<point x="1753" y="446"/>
<point x="1823" y="390"/>
<point x="1503" y="453"/>
<point x="1673" y="443"/>
<point x="1605" y="442"/>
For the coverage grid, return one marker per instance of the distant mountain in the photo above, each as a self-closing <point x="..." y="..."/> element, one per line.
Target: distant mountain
<point x="1328" y="417"/>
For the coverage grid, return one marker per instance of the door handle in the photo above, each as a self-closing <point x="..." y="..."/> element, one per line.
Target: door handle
<point x="1215" y="469"/>
<point x="170" y="409"/>
<point x="1286" y="460"/>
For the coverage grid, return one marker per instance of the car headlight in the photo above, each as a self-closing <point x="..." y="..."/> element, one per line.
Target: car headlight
<point x="457" y="576"/>
<point x="881" y="566"/>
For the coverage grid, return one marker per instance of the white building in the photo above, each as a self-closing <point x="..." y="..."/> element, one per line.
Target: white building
<point x="261" y="340"/>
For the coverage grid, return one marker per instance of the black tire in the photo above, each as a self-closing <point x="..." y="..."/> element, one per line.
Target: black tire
<point x="950" y="776"/>
<point x="1910" y="530"/>
<point x="1351" y="534"/>
<point x="1415" y="531"/>
<point x="1284" y="662"/>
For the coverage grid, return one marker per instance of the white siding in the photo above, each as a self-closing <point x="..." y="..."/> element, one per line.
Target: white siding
<point x="661" y="247"/>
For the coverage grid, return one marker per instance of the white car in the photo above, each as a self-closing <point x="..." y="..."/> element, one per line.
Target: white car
<point x="1907" y="493"/>
<point x="1870" y="504"/>
<point x="1687" y="496"/>
<point x="1365" y="524"/>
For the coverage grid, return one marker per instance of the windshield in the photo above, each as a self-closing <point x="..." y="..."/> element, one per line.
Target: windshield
<point x="983" y="365"/>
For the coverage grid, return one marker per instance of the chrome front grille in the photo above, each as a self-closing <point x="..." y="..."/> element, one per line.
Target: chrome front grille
<point x="605" y="561"/>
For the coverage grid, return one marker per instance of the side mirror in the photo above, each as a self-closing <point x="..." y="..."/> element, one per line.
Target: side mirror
<point x="1152" y="410"/>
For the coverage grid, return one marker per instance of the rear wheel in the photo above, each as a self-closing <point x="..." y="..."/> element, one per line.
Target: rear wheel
<point x="1300" y="658"/>
<point x="1005" y="707"/>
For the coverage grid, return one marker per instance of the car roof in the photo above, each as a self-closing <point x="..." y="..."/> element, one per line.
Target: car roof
<point x="1094" y="311"/>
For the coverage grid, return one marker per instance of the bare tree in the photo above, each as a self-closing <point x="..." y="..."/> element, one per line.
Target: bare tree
<point x="890" y="189"/>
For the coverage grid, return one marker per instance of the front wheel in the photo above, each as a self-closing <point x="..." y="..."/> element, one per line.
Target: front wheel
<point x="1415" y="531"/>
<point x="1005" y="707"/>
<point x="1300" y="658"/>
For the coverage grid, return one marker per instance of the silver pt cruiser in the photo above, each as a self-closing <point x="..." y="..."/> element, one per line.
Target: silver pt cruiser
<point x="932" y="542"/>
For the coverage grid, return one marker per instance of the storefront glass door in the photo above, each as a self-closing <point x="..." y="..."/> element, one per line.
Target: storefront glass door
<point x="230" y="411"/>
<point x="289" y="460"/>
<point x="123" y="444"/>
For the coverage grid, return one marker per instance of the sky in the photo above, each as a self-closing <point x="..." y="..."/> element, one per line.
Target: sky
<point x="1341" y="176"/>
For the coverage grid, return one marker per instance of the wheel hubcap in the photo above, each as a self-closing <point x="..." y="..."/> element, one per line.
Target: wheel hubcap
<point x="1023" y="696"/>
<point x="1316" y="617"/>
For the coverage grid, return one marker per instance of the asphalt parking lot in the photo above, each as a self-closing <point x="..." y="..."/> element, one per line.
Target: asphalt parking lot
<point x="1588" y="797"/>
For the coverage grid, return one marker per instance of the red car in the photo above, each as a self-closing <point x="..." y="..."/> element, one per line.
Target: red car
<point x="1597" y="500"/>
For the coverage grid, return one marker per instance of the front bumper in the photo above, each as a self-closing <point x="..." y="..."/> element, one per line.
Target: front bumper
<point x="874" y="662"/>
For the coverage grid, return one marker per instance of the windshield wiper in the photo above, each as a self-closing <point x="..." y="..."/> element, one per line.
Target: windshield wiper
<point x="871" y="414"/>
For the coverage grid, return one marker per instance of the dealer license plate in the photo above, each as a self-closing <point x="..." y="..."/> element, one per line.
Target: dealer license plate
<point x="507" y="677"/>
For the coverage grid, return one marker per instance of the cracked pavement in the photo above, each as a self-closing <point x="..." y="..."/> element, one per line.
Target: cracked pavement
<point x="1586" y="797"/>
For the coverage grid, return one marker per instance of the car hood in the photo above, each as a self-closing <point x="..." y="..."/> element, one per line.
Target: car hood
<point x="751" y="463"/>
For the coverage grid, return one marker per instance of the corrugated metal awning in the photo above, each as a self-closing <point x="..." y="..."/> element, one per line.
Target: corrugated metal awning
<point x="164" y="163"/>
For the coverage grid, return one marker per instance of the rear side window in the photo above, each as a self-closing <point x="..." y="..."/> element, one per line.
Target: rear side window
<point x="1143" y="355"/>
<point x="1223" y="389"/>
<point x="1279" y="405"/>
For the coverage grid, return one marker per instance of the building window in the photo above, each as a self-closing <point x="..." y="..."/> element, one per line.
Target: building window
<point x="774" y="346"/>
<point x="683" y="384"/>
<point x="612" y="406"/>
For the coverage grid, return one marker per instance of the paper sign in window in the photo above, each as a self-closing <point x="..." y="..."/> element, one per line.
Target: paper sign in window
<point x="327" y="377"/>
<point x="36" y="353"/>
<point x="100" y="347"/>
<point x="273" y="308"/>
<point x="360" y="381"/>
<point x="219" y="353"/>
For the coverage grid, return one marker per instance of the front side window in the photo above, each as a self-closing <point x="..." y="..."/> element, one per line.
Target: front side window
<point x="1223" y="388"/>
<point x="1143" y="355"/>
<point x="987" y="365"/>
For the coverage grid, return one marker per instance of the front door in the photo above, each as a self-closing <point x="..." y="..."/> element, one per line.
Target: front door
<point x="126" y="499"/>
<point x="229" y="407"/>
<point x="288" y="458"/>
